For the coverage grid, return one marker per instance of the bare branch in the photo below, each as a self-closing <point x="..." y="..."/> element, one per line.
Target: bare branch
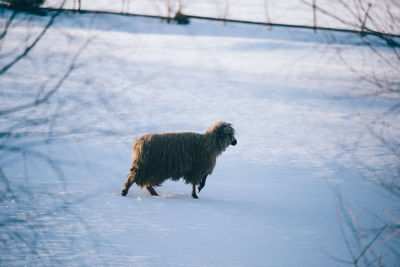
<point x="8" y="23"/>
<point x="34" y="43"/>
<point x="369" y="245"/>
<point x="342" y="232"/>
<point x="47" y="96"/>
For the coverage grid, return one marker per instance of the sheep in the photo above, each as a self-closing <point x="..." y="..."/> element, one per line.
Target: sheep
<point x="192" y="156"/>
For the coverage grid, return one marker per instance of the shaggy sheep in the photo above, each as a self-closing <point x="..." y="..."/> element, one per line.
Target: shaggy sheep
<point x="163" y="156"/>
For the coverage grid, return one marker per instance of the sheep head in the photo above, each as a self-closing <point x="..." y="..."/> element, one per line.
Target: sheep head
<point x="224" y="132"/>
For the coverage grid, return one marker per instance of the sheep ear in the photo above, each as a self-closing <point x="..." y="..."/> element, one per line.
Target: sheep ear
<point x="220" y="132"/>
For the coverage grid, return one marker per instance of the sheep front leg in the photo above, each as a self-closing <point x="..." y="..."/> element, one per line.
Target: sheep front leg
<point x="202" y="183"/>
<point x="194" y="192"/>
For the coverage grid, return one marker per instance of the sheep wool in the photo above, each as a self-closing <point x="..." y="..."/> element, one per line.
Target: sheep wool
<point x="191" y="156"/>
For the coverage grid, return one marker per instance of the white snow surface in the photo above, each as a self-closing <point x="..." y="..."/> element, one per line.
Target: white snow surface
<point x="296" y="107"/>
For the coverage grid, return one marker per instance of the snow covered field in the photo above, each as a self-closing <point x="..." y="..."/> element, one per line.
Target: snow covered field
<point x="302" y="130"/>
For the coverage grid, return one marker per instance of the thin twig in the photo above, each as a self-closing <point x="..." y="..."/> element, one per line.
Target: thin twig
<point x="34" y="43"/>
<point x="369" y="245"/>
<point x="8" y="23"/>
<point x="346" y="241"/>
<point x="47" y="96"/>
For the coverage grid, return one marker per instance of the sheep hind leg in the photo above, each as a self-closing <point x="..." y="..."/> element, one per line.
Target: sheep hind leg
<point x="128" y="183"/>
<point x="194" y="192"/>
<point x="151" y="190"/>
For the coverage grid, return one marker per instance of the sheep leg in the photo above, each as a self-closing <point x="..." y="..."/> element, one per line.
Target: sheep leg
<point x="151" y="190"/>
<point x="128" y="184"/>
<point x="202" y="183"/>
<point x="194" y="192"/>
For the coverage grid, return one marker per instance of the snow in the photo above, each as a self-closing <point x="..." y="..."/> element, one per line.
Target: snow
<point x="271" y="199"/>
